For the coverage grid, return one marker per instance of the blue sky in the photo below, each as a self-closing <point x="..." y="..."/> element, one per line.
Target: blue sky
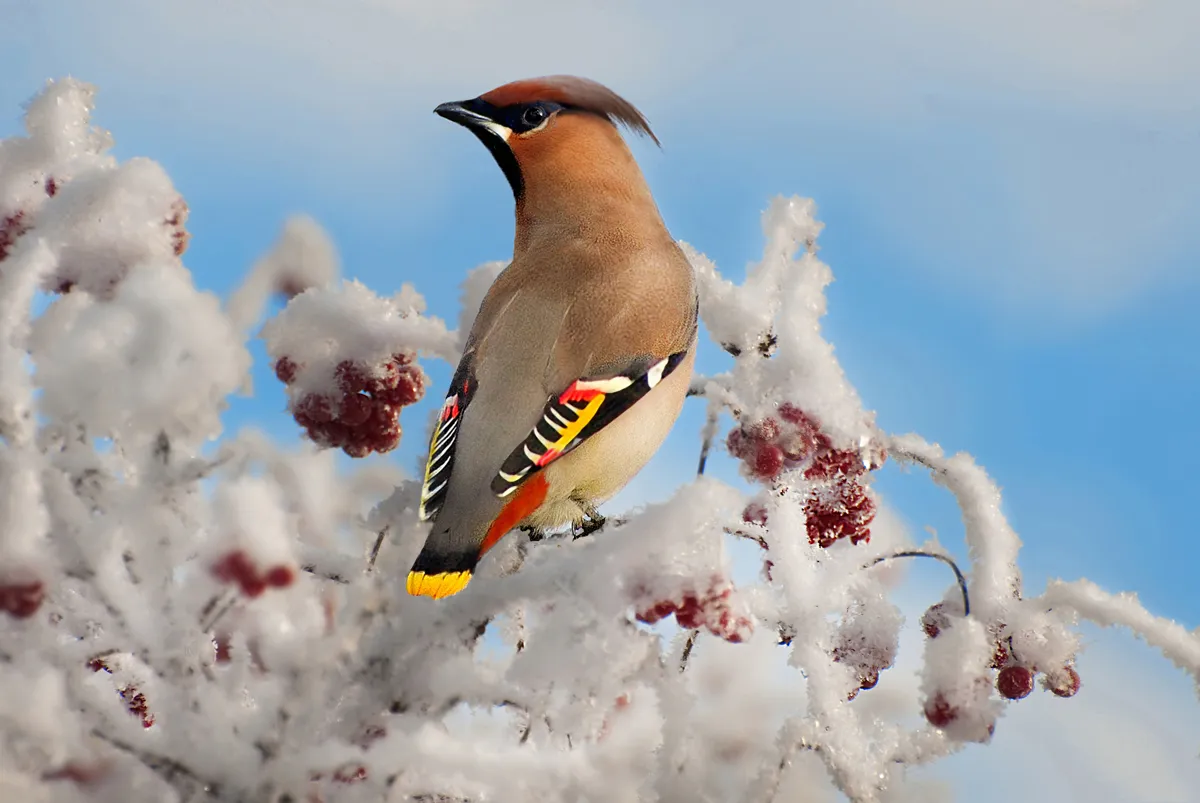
<point x="1010" y="193"/>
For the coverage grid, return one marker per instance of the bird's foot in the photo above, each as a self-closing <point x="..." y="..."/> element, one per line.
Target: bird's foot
<point x="591" y="523"/>
<point x="533" y="532"/>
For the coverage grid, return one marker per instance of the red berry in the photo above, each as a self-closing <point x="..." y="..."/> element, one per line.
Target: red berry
<point x="690" y="614"/>
<point x="795" y="447"/>
<point x="934" y="620"/>
<point x="1064" y="683"/>
<point x="236" y="567"/>
<point x="285" y="370"/>
<point x="315" y="408"/>
<point x="351" y="377"/>
<point x="831" y="464"/>
<point x="1014" y="682"/>
<point x="765" y="431"/>
<point x="386" y="378"/>
<point x="732" y="628"/>
<point x="388" y="439"/>
<point x="938" y="711"/>
<point x="409" y="387"/>
<point x="355" y="409"/>
<point x="739" y="444"/>
<point x="755" y="514"/>
<point x="843" y="511"/>
<point x="280" y="576"/>
<point x="768" y="461"/>
<point x="657" y="611"/>
<point x="794" y="415"/>
<point x="22" y="600"/>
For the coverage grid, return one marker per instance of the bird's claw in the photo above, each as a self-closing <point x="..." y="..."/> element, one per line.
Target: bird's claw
<point x="592" y="522"/>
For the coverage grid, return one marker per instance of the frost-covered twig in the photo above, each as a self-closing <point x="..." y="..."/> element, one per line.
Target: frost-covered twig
<point x="1179" y="645"/>
<point x="946" y="559"/>
<point x="991" y="542"/>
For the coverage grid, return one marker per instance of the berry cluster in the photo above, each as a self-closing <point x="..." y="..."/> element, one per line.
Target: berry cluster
<point x="1015" y="678"/>
<point x="237" y="567"/>
<point x="135" y="701"/>
<point x="838" y="505"/>
<point x="712" y="609"/>
<point x="22" y="599"/>
<point x="364" y="416"/>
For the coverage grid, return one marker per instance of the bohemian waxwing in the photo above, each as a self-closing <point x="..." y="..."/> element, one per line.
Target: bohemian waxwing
<point x="581" y="354"/>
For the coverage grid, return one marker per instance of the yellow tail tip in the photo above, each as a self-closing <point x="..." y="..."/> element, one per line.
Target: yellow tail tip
<point x="442" y="584"/>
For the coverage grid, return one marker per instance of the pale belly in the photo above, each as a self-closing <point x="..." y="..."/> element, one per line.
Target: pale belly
<point x="607" y="461"/>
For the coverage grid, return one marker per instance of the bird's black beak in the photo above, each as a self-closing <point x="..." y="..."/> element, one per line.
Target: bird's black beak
<point x="479" y="117"/>
<point x="469" y="113"/>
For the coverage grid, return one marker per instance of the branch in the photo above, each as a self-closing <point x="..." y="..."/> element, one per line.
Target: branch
<point x="917" y="553"/>
<point x="991" y="542"/>
<point x="1179" y="645"/>
<point x="169" y="769"/>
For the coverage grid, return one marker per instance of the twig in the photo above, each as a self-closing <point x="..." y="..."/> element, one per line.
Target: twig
<point x="168" y="769"/>
<point x="325" y="575"/>
<point x="917" y="553"/>
<point x="216" y="608"/>
<point x="758" y="539"/>
<point x="687" y="649"/>
<point x="710" y="431"/>
<point x="378" y="545"/>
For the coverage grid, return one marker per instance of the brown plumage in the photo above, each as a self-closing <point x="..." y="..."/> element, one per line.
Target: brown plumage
<point x="579" y="359"/>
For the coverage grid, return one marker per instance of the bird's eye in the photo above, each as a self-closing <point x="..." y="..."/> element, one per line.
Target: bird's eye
<point x="533" y="116"/>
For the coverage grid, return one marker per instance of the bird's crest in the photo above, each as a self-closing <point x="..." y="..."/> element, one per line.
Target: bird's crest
<point x="574" y="93"/>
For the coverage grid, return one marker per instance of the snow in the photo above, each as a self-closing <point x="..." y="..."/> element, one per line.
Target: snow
<point x="303" y="256"/>
<point x="220" y="627"/>
<point x="321" y="327"/>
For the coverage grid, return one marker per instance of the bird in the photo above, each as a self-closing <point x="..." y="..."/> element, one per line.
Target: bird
<point x="580" y="356"/>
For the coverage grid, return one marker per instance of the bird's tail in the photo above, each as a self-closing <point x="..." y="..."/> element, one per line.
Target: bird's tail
<point x="447" y="560"/>
<point x="438" y="572"/>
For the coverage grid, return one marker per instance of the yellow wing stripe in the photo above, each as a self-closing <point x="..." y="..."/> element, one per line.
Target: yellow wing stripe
<point x="571" y="431"/>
